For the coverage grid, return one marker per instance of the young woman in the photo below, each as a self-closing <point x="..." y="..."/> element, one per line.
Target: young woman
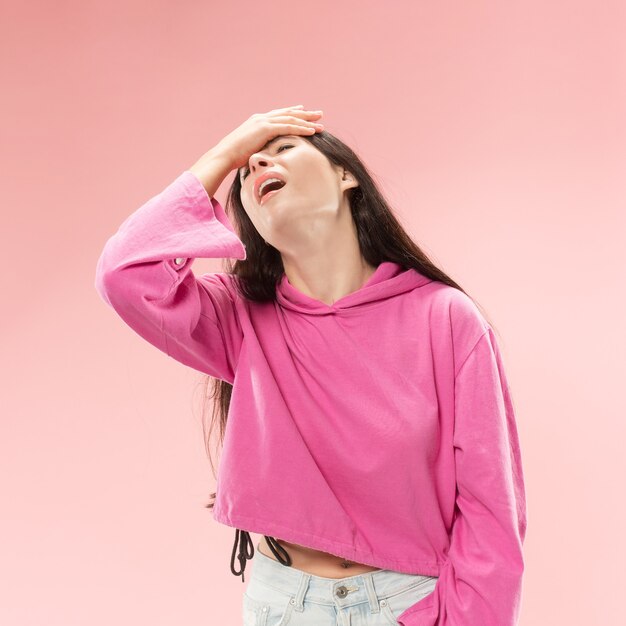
<point x="367" y="425"/>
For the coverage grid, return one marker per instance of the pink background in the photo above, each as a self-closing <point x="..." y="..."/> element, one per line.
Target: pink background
<point x="497" y="131"/>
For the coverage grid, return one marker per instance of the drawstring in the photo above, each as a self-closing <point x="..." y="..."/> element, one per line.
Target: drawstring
<point x="246" y="551"/>
<point x="246" y="542"/>
<point x="283" y="557"/>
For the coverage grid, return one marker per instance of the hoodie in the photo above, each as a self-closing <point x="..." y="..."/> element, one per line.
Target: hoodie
<point x="378" y="428"/>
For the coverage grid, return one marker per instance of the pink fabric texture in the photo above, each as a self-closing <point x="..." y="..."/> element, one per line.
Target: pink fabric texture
<point x="379" y="428"/>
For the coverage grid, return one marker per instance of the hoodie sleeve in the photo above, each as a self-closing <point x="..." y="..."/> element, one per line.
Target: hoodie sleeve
<point x="481" y="581"/>
<point x="144" y="273"/>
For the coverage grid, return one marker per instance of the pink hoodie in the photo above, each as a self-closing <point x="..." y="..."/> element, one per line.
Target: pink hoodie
<point x="379" y="428"/>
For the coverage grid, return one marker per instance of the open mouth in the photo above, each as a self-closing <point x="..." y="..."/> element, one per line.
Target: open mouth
<point x="270" y="190"/>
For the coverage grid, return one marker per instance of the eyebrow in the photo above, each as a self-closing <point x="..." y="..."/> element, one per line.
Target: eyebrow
<point x="270" y="142"/>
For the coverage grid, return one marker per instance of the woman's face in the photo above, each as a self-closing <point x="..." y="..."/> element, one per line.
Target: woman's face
<point x="314" y="189"/>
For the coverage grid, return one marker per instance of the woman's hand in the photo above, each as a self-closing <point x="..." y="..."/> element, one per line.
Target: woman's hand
<point x="259" y="128"/>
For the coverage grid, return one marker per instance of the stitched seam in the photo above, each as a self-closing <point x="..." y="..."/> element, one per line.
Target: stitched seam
<point x="470" y="353"/>
<point x="167" y="347"/>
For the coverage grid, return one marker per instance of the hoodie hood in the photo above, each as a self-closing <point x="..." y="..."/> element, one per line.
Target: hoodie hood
<point x="390" y="279"/>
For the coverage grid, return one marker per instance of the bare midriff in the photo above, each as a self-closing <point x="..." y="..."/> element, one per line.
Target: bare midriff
<point x="316" y="562"/>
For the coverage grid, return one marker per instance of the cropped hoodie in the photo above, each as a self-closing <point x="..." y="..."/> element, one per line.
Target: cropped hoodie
<point x="378" y="428"/>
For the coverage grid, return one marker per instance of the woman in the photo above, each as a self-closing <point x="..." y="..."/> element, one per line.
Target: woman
<point x="367" y="426"/>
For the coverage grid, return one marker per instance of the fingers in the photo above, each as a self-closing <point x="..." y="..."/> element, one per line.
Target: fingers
<point x="306" y="118"/>
<point x="297" y="110"/>
<point x="304" y="125"/>
<point x="298" y="129"/>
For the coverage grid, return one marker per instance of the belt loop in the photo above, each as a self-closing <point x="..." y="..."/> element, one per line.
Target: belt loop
<point x="303" y="586"/>
<point x="372" y="596"/>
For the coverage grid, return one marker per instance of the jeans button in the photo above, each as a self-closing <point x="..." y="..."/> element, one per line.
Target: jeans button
<point x="342" y="591"/>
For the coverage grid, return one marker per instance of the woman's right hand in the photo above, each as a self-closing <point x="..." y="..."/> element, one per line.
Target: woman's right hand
<point x="259" y="128"/>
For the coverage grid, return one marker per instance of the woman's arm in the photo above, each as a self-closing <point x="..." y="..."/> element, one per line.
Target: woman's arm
<point x="486" y="549"/>
<point x="144" y="273"/>
<point x="480" y="583"/>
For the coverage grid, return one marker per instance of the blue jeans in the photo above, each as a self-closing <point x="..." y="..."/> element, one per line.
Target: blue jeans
<point x="278" y="595"/>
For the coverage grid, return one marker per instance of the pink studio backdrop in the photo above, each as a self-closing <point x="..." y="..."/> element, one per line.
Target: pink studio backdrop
<point x="496" y="130"/>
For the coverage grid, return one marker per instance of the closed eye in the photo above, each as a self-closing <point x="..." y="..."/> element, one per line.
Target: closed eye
<point x="285" y="145"/>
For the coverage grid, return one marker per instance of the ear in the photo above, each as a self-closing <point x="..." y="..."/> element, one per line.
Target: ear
<point x="347" y="179"/>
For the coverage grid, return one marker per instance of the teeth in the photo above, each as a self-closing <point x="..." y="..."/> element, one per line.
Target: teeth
<point x="266" y="182"/>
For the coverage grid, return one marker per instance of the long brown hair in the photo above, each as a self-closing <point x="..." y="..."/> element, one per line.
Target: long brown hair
<point x="381" y="238"/>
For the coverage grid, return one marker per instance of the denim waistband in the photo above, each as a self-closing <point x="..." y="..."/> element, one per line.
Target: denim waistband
<point x="340" y="592"/>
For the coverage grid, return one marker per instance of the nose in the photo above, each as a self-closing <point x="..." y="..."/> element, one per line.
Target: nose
<point x="259" y="160"/>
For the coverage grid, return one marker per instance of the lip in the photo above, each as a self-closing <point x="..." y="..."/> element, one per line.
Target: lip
<point x="265" y="176"/>
<point x="268" y="196"/>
